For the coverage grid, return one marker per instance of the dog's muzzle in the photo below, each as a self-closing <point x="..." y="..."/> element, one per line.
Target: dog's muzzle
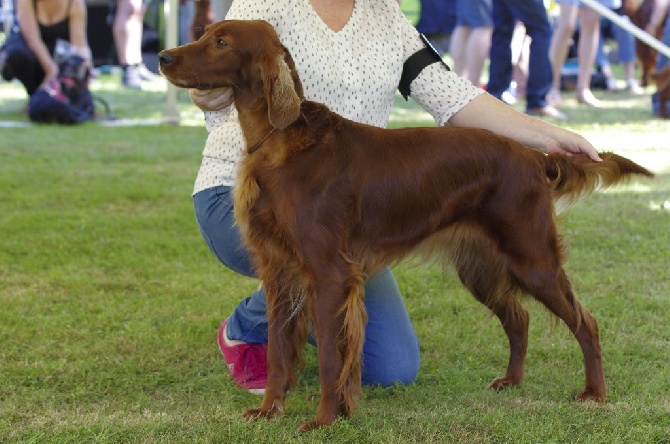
<point x="165" y="58"/>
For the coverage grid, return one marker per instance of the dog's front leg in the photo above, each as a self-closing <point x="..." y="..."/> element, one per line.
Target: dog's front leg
<point x="339" y="321"/>
<point x="287" y="334"/>
<point x="327" y="326"/>
<point x="279" y="370"/>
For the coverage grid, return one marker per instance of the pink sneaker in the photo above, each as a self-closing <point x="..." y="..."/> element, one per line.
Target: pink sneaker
<point x="247" y="363"/>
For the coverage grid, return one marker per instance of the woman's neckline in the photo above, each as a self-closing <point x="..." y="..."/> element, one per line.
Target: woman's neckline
<point x="335" y="22"/>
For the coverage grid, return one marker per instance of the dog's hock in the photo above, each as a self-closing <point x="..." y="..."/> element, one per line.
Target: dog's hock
<point x="283" y="101"/>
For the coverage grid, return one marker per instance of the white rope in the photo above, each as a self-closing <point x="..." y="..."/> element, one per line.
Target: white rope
<point x="628" y="26"/>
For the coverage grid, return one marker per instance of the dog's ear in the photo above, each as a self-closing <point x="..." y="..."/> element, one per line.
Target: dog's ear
<point x="283" y="101"/>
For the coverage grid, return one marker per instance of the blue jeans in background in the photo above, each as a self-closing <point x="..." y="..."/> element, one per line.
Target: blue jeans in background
<point x="534" y="17"/>
<point x="625" y="43"/>
<point x="665" y="38"/>
<point x="391" y="348"/>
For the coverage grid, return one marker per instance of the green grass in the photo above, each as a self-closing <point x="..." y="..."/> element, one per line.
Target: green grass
<point x="110" y="301"/>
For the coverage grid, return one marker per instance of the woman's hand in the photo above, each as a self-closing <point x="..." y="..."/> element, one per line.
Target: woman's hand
<point x="50" y="73"/>
<point x="212" y="99"/>
<point x="487" y="112"/>
<point x="566" y="142"/>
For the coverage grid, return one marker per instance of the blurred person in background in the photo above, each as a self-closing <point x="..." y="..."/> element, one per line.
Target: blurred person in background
<point x="29" y="50"/>
<point x="127" y="29"/>
<point x="532" y="13"/>
<point x="437" y="21"/>
<point x="471" y="39"/>
<point x="589" y="36"/>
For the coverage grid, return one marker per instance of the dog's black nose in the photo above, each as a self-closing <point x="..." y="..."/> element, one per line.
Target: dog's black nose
<point x="165" y="58"/>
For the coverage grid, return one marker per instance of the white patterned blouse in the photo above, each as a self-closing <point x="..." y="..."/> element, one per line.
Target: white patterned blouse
<point x="354" y="71"/>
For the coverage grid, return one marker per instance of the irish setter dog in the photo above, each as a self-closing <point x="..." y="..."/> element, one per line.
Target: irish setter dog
<point x="640" y="12"/>
<point x="324" y="202"/>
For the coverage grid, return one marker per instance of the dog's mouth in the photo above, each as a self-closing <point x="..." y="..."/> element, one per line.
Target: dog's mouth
<point x="173" y="71"/>
<point x="187" y="82"/>
<point x="182" y="74"/>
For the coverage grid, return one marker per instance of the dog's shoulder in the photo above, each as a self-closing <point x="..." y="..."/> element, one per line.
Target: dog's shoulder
<point x="317" y="112"/>
<point x="318" y="119"/>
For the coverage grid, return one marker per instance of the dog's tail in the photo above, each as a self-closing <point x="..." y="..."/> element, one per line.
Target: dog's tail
<point x="572" y="178"/>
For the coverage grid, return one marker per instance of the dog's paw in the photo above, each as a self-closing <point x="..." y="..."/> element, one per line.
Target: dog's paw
<point x="311" y="425"/>
<point x="503" y="382"/>
<point x="589" y="394"/>
<point x="253" y="414"/>
<point x="277" y="408"/>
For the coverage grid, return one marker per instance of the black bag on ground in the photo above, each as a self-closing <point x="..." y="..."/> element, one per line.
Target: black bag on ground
<point x="66" y="101"/>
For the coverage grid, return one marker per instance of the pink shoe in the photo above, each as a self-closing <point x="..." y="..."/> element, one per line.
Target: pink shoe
<point x="247" y="363"/>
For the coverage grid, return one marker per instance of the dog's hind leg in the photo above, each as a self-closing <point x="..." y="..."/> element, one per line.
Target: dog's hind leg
<point x="484" y="274"/>
<point x="523" y="227"/>
<point x="514" y="319"/>
<point x="535" y="263"/>
<point x="553" y="289"/>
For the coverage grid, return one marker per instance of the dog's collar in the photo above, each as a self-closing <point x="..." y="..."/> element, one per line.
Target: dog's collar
<point x="253" y="148"/>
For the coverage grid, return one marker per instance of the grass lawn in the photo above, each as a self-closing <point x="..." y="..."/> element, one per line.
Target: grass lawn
<point x="110" y="301"/>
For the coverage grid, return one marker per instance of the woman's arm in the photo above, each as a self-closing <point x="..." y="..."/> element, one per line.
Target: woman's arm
<point x="485" y="111"/>
<point x="28" y="23"/>
<point x="78" y="21"/>
<point x="454" y="100"/>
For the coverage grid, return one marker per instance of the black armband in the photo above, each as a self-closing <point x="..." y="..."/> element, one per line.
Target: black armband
<point x="416" y="63"/>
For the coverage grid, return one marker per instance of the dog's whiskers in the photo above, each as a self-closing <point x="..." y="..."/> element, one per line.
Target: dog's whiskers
<point x="195" y="74"/>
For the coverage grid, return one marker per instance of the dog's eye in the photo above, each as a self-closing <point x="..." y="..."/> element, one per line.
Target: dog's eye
<point x="221" y="43"/>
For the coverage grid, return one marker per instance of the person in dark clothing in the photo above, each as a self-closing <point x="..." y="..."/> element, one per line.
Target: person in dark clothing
<point x="506" y="14"/>
<point x="41" y="23"/>
<point x="437" y="21"/>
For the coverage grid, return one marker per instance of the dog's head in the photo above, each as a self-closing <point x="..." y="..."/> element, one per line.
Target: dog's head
<point x="246" y="55"/>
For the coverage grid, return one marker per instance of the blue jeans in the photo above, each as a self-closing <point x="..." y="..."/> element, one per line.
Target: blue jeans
<point x="473" y="13"/>
<point x="534" y="16"/>
<point x="612" y="4"/>
<point x="625" y="43"/>
<point x="391" y="348"/>
<point x="665" y="38"/>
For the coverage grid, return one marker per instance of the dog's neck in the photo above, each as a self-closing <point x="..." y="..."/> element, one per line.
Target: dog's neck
<point x="253" y="110"/>
<point x="262" y="112"/>
<point x="254" y="147"/>
<point x="256" y="127"/>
